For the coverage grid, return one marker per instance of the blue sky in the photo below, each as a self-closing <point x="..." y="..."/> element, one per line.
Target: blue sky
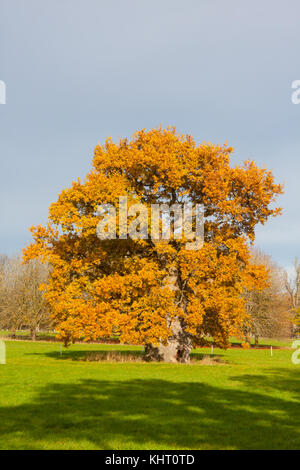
<point x="78" y="71"/>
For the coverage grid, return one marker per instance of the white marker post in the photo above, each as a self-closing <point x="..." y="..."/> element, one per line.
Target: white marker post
<point x="271" y="350"/>
<point x="212" y="349"/>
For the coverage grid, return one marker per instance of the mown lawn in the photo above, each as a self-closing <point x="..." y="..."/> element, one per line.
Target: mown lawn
<point x="48" y="401"/>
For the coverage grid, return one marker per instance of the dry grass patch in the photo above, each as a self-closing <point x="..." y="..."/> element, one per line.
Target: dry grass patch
<point x="113" y="356"/>
<point x="208" y="361"/>
<point x="118" y="356"/>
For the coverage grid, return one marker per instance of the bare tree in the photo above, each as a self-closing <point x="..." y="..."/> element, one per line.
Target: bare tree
<point x="11" y="316"/>
<point x="3" y="265"/>
<point x="269" y="308"/>
<point x="21" y="300"/>
<point x="292" y="287"/>
<point x="36" y="313"/>
<point x="292" y="284"/>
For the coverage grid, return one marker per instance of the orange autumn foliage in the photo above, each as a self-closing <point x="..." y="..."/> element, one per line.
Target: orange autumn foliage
<point x="102" y="287"/>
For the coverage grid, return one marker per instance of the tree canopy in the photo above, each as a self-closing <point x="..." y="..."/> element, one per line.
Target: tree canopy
<point x="156" y="292"/>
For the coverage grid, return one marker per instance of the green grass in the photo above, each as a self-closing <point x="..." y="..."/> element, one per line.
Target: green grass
<point x="48" y="401"/>
<point x="51" y="336"/>
<point x="25" y="334"/>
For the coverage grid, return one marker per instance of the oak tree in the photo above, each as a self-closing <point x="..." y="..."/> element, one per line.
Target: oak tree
<point x="156" y="292"/>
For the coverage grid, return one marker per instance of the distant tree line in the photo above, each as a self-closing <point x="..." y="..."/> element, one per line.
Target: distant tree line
<point x="273" y="312"/>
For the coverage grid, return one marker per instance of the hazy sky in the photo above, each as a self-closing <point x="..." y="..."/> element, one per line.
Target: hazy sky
<point x="78" y="71"/>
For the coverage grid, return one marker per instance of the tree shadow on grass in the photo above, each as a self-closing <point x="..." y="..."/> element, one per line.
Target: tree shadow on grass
<point x="108" y="354"/>
<point x="94" y="354"/>
<point x="281" y="379"/>
<point x="145" y="413"/>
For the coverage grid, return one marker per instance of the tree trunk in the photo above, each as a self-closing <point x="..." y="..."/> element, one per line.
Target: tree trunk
<point x="247" y="338"/>
<point x="256" y="340"/>
<point x="179" y="345"/>
<point x="13" y="332"/>
<point x="177" y="349"/>
<point x="33" y="334"/>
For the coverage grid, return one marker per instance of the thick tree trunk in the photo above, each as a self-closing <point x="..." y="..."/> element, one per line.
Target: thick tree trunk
<point x="256" y="340"/>
<point x="177" y="349"/>
<point x="179" y="345"/>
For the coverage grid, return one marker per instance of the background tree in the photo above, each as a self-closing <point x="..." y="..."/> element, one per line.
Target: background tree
<point x="21" y="301"/>
<point x="156" y="292"/>
<point x="12" y="296"/>
<point x="292" y="286"/>
<point x="268" y="308"/>
<point x="3" y="264"/>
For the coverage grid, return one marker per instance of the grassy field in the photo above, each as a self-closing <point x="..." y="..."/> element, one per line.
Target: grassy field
<point x="49" y="401"/>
